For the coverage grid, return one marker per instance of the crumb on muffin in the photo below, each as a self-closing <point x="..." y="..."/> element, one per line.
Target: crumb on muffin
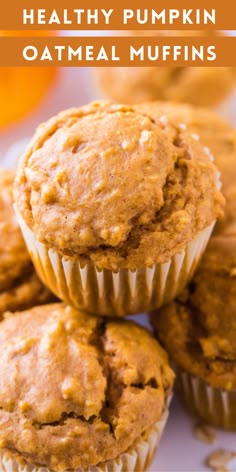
<point x="106" y="182"/>
<point x="198" y="330"/>
<point x="74" y="389"/>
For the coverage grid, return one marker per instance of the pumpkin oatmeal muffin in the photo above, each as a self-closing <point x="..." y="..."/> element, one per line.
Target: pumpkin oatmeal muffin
<point x="20" y="288"/>
<point x="220" y="139"/>
<point x="99" y="186"/>
<point x="199" y="86"/>
<point x="198" y="331"/>
<point x="74" y="392"/>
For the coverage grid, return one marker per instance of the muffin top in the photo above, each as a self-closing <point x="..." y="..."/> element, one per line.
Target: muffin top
<point x="214" y="133"/>
<point x="74" y="389"/>
<point x="199" y="329"/>
<point x="19" y="285"/>
<point x="200" y="86"/>
<point x="106" y="182"/>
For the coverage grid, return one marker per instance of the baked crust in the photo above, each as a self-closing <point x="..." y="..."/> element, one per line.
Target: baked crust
<point x="107" y="182"/>
<point x="74" y="389"/>
<point x="215" y="133"/>
<point x="199" y="329"/>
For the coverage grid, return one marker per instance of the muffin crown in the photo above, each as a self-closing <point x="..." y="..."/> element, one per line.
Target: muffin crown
<point x="78" y="385"/>
<point x="107" y="182"/>
<point x="213" y="294"/>
<point x="199" y="328"/>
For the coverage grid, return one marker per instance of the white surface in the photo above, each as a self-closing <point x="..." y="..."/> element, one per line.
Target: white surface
<point x="179" y="450"/>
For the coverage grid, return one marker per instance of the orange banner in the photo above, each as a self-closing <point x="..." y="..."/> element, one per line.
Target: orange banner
<point x="115" y="15"/>
<point x="117" y="51"/>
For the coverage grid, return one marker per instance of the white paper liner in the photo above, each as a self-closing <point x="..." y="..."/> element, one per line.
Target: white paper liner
<point x="213" y="405"/>
<point x="136" y="459"/>
<point x="114" y="293"/>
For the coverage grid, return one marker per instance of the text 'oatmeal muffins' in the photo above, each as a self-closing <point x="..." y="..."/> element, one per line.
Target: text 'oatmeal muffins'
<point x="74" y="392"/>
<point x="218" y="136"/>
<point x="116" y="207"/>
<point x="20" y="288"/>
<point x="199" y="332"/>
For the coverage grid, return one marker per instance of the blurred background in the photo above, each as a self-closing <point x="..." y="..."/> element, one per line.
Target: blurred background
<point x="29" y="96"/>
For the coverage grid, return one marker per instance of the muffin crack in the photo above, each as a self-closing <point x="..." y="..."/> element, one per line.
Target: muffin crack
<point x="122" y="192"/>
<point x="97" y="340"/>
<point x="116" y="385"/>
<point x="64" y="417"/>
<point x="70" y="402"/>
<point x="150" y="383"/>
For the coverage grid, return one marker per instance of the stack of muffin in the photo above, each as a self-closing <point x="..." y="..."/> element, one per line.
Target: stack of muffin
<point x="198" y="329"/>
<point x="116" y="204"/>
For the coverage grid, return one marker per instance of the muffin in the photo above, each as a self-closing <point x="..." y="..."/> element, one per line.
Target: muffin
<point x="20" y="287"/>
<point x="199" y="332"/>
<point x="216" y="134"/>
<point x="199" y="86"/>
<point x="116" y="207"/>
<point x="74" y="392"/>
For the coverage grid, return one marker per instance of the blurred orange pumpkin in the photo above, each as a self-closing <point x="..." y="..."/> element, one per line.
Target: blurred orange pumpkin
<point x="22" y="88"/>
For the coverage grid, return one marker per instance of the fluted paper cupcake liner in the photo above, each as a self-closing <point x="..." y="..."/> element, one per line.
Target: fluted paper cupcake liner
<point x="215" y="406"/>
<point x="114" y="293"/>
<point x="136" y="459"/>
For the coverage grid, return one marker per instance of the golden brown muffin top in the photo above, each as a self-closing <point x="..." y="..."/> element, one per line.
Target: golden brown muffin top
<point x="74" y="389"/>
<point x="106" y="182"/>
<point x="199" y="329"/>
<point x="214" y="133"/>
<point x="20" y="287"/>
<point x="200" y="86"/>
<point x="209" y="126"/>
